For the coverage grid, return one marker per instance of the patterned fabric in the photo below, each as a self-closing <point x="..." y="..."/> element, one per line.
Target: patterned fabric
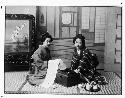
<point x="87" y="63"/>
<point x="38" y="68"/>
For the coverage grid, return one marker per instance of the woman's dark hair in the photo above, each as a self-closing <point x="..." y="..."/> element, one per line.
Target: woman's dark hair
<point x="80" y="36"/>
<point x="44" y="36"/>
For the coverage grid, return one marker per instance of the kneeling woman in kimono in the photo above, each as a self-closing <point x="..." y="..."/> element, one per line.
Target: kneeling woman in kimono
<point x="84" y="62"/>
<point x="39" y="59"/>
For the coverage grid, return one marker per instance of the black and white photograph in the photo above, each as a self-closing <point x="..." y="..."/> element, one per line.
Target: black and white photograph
<point x="63" y="50"/>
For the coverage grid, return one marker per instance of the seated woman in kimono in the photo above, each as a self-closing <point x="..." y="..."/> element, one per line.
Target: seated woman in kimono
<point x="84" y="62"/>
<point x="39" y="59"/>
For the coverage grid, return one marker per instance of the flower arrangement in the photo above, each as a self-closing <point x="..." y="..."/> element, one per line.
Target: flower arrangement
<point x="17" y="36"/>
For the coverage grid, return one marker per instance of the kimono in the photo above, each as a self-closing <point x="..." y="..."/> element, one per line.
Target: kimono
<point x="38" y="68"/>
<point x="87" y="63"/>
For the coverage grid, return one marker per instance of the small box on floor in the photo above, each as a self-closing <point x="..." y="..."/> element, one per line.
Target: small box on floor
<point x="67" y="78"/>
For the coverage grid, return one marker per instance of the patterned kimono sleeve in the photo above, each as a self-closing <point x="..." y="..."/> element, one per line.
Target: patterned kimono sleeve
<point x="87" y="59"/>
<point x="86" y="66"/>
<point x="37" y="57"/>
<point x="74" y="62"/>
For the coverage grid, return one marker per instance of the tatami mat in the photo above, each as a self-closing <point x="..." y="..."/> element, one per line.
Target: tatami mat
<point x="14" y="80"/>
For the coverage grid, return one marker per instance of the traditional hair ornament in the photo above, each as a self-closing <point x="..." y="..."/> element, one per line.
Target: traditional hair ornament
<point x="45" y="35"/>
<point x="80" y="36"/>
